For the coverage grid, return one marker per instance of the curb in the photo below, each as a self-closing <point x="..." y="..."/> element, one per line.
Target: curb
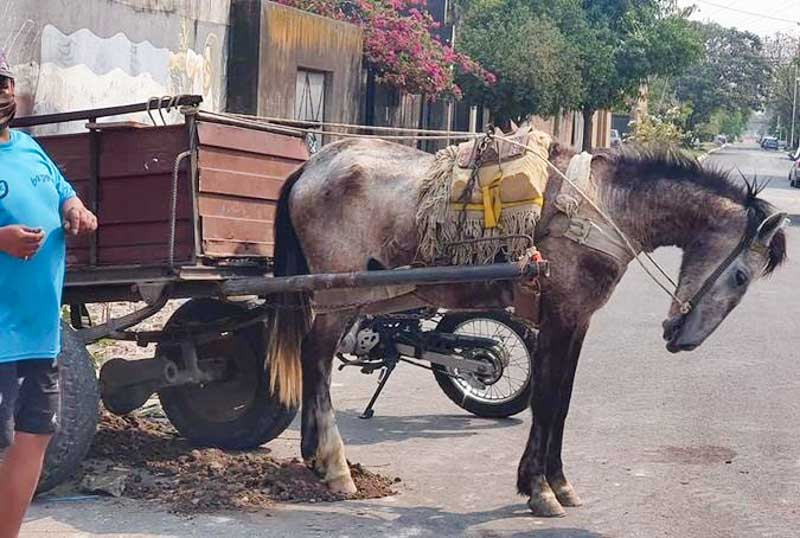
<point x="704" y="156"/>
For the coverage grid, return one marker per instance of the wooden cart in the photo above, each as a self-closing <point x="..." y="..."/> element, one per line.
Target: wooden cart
<point x="186" y="212"/>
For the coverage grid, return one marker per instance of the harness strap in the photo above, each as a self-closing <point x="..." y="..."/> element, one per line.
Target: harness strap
<point x="580" y="225"/>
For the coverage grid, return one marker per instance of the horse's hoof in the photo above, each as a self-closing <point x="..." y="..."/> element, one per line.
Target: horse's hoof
<point x="567" y="497"/>
<point x="546" y="506"/>
<point x="342" y="486"/>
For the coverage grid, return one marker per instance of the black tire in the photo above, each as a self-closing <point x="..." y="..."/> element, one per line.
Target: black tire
<point x="80" y="399"/>
<point x="519" y="400"/>
<point x="239" y="412"/>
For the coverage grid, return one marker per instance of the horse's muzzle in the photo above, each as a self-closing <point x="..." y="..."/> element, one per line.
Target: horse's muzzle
<point x="672" y="333"/>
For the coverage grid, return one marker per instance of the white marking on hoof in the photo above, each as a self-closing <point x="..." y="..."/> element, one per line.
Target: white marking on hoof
<point x="343" y="485"/>
<point x="543" y="502"/>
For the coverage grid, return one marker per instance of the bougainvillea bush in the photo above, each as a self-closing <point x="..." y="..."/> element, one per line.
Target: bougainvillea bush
<point x="399" y="44"/>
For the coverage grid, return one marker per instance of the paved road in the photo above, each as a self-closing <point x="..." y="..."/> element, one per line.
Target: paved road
<point x="693" y="445"/>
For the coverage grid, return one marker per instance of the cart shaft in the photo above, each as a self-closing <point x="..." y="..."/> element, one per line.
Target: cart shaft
<point x="364" y="279"/>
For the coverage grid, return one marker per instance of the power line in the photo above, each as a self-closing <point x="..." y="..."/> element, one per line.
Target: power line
<point x="750" y="13"/>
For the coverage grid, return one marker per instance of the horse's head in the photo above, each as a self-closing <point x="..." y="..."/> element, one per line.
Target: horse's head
<point x="718" y="267"/>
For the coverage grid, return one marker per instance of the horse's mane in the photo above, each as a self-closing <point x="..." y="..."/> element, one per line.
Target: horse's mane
<point x="637" y="167"/>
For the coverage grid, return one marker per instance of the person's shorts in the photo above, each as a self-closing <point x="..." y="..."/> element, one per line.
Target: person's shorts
<point x="29" y="398"/>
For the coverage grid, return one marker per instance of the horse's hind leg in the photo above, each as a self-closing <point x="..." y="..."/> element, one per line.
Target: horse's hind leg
<point x="321" y="445"/>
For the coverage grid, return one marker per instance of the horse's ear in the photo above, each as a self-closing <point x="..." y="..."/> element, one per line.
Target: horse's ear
<point x="770" y="227"/>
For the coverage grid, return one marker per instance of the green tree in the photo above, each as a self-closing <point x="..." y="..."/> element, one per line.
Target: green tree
<point x="537" y="66"/>
<point x="623" y="43"/>
<point x="733" y="76"/>
<point x="580" y="54"/>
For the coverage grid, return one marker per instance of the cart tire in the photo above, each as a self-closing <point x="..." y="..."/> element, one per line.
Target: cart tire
<point x="519" y="399"/>
<point x="80" y="399"/>
<point x="237" y="413"/>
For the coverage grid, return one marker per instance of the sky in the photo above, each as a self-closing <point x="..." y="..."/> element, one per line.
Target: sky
<point x="763" y="17"/>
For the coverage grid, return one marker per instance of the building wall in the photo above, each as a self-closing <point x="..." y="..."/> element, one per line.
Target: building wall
<point x="271" y="42"/>
<point x="93" y="53"/>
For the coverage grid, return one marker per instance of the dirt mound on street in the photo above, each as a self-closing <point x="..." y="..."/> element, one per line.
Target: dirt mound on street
<point x="153" y="463"/>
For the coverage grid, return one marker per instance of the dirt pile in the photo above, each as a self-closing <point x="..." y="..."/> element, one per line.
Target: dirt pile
<point x="160" y="466"/>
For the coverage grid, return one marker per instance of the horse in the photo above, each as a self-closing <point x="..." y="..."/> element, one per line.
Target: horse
<point x="354" y="202"/>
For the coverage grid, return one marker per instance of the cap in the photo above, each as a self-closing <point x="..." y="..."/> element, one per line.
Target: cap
<point x="5" y="69"/>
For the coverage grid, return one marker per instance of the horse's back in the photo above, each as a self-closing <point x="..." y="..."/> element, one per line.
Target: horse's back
<point x="356" y="200"/>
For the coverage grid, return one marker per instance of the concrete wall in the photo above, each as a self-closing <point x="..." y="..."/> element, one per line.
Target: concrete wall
<point x="90" y="53"/>
<point x="293" y="40"/>
<point x="271" y="42"/>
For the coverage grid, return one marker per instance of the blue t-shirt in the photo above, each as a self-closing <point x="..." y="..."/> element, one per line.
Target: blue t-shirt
<point x="32" y="191"/>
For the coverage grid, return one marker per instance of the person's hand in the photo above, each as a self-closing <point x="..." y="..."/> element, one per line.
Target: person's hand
<point x="20" y="241"/>
<point x="79" y="220"/>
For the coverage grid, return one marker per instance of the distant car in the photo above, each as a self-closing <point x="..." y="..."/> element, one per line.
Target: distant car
<point x="794" y="175"/>
<point x="616" y="141"/>
<point x="769" y="143"/>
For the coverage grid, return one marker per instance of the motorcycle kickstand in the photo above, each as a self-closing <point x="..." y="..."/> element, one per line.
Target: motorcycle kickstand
<point x="369" y="412"/>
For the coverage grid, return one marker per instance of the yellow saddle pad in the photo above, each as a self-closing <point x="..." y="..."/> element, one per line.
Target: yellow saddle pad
<point x="508" y="176"/>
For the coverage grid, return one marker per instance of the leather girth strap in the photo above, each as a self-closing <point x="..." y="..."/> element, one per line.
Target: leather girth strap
<point x="578" y="221"/>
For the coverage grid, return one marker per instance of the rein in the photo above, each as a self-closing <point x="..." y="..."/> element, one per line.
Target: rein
<point x="753" y="227"/>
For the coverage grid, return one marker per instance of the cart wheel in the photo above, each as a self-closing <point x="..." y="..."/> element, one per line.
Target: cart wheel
<point x="80" y="400"/>
<point x="506" y="394"/>
<point x="238" y="412"/>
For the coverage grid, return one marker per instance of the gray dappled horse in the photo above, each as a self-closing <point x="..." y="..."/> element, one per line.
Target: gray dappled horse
<point x="355" y="201"/>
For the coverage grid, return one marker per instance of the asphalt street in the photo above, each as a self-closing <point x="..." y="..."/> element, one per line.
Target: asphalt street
<point x="703" y="444"/>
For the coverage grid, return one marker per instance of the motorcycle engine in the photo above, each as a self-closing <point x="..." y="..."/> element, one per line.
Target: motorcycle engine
<point x="360" y="339"/>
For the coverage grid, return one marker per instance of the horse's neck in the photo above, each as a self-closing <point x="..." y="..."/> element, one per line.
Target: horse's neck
<point x="663" y="213"/>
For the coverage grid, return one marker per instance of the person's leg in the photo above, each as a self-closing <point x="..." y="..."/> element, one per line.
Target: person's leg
<point x="19" y="475"/>
<point x="35" y="420"/>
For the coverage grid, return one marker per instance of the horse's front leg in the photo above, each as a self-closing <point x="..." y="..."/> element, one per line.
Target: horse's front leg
<point x="321" y="445"/>
<point x="555" y="362"/>
<point x="554" y="467"/>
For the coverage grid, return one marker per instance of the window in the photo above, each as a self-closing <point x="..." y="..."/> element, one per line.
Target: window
<point x="309" y="103"/>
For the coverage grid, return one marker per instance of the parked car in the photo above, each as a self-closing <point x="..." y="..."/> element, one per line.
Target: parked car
<point x="769" y="143"/>
<point x="616" y="141"/>
<point x="794" y="174"/>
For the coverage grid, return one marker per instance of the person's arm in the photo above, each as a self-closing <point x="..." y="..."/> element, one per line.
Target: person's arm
<point x="77" y="219"/>
<point x="20" y="241"/>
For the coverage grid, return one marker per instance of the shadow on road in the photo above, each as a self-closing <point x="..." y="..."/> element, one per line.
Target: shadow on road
<point x="384" y="428"/>
<point x="355" y="519"/>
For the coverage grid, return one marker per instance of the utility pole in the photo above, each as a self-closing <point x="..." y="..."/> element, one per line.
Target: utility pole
<point x="794" y="108"/>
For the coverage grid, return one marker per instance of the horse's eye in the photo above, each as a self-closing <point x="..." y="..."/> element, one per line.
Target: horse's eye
<point x="741" y="278"/>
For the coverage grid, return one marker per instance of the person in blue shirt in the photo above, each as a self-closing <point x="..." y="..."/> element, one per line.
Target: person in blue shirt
<point x="38" y="207"/>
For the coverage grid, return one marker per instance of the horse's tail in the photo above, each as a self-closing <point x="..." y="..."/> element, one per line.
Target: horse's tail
<point x="292" y="317"/>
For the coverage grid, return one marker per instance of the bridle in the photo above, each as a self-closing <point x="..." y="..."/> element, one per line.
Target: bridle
<point x="748" y="241"/>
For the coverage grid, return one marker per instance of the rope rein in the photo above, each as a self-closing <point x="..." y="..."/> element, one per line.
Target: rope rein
<point x="322" y="128"/>
<point x="685" y="306"/>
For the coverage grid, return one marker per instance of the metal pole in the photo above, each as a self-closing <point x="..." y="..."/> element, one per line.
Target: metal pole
<point x="794" y="109"/>
<point x="390" y="277"/>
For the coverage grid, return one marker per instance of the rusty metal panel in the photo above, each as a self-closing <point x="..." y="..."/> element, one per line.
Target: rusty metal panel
<point x="251" y="140"/>
<point x="241" y="173"/>
<point x="70" y="153"/>
<point x="141" y="199"/>
<point x="134" y="193"/>
<point x="256" y="186"/>
<point x="227" y="249"/>
<point x="236" y="208"/>
<point x="133" y="152"/>
<point x="246" y="163"/>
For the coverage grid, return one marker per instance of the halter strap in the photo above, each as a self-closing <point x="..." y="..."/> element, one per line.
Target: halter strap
<point x="753" y="228"/>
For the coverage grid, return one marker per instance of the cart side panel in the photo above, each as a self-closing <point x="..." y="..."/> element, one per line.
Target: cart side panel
<point x="72" y="155"/>
<point x="135" y="194"/>
<point x="241" y="172"/>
